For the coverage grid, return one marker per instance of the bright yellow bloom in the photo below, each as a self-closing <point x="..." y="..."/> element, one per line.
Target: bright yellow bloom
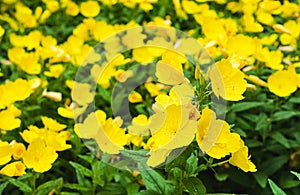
<point x="140" y="126"/>
<point x="227" y="82"/>
<point x="89" y="8"/>
<point x="72" y="8"/>
<point x="2" y="31"/>
<point x="284" y="82"/>
<point x="9" y="120"/>
<point x="6" y="152"/>
<point x="135" y="97"/>
<point x="243" y="45"/>
<point x="214" y="137"/>
<point x="55" y="70"/>
<point x="66" y="112"/>
<point x="13" y="169"/>
<point x="108" y="133"/>
<point x="39" y="156"/>
<point x="81" y="93"/>
<point x="52" y="124"/>
<point x="18" y="150"/>
<point x="241" y="159"/>
<point x="55" y="140"/>
<point x="154" y="89"/>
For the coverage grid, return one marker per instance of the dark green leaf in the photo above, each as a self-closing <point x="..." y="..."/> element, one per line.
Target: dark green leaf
<point x="132" y="188"/>
<point x="45" y="188"/>
<point x="194" y="186"/>
<point x="22" y="186"/>
<point x="261" y="178"/>
<point x="241" y="106"/>
<point x="77" y="187"/>
<point x="281" y="139"/>
<point x="3" y="186"/>
<point x="154" y="181"/>
<point x="275" y="189"/>
<point x="147" y="192"/>
<point x="85" y="171"/>
<point x="283" y="115"/>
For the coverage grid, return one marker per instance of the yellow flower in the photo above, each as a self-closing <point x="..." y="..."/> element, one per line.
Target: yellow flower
<point x="52" y="124"/>
<point x="227" y="82"/>
<point x="243" y="45"/>
<point x="18" y="150"/>
<point x="8" y="120"/>
<point x="241" y="159"/>
<point x="89" y="8"/>
<point x="72" y="8"/>
<point x="214" y="137"/>
<point x="140" y="126"/>
<point x="55" y="71"/>
<point x="6" y="151"/>
<point x="39" y="156"/>
<point x="172" y="128"/>
<point x="81" y="93"/>
<point x="154" y="89"/>
<point x="55" y="140"/>
<point x="2" y="31"/>
<point x="108" y="133"/>
<point x="135" y="97"/>
<point x="283" y="82"/>
<point x="66" y="112"/>
<point x="55" y="96"/>
<point x="13" y="169"/>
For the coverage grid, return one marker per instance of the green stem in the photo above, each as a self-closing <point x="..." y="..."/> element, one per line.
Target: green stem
<point x="219" y="163"/>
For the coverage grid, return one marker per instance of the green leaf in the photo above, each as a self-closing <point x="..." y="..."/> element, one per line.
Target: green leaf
<point x="22" y="186"/>
<point x="274" y="164"/>
<point x="295" y="100"/>
<point x="281" y="139"/>
<point x="296" y="174"/>
<point x="85" y="171"/>
<point x="221" y="176"/>
<point x="261" y="178"/>
<point x="132" y="188"/>
<point x="241" y="106"/>
<point x="77" y="187"/>
<point x="283" y="115"/>
<point x="98" y="173"/>
<point x="194" y="186"/>
<point x="154" y="181"/>
<point x="148" y="192"/>
<point x="3" y="186"/>
<point x="275" y="189"/>
<point x="191" y="165"/>
<point x="45" y="188"/>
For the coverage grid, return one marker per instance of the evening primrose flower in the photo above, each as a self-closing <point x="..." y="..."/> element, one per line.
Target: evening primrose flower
<point x="241" y="159"/>
<point x="72" y="8"/>
<point x="2" y="31"/>
<point x="227" y="82"/>
<point x="52" y="124"/>
<point x="283" y="82"/>
<point x="13" y="169"/>
<point x="89" y="8"/>
<point x="39" y="156"/>
<point x="214" y="137"/>
<point x="243" y="45"/>
<point x="8" y="120"/>
<point x="55" y="70"/>
<point x="135" y="97"/>
<point x="6" y="152"/>
<point x="18" y="150"/>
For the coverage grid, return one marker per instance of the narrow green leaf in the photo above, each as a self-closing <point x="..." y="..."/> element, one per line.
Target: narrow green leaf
<point x="275" y="189"/>
<point x="78" y="187"/>
<point x="154" y="181"/>
<point x="85" y="171"/>
<point x="281" y="139"/>
<point x="194" y="186"/>
<point x="147" y="192"/>
<point x="296" y="174"/>
<point x="3" y="186"/>
<point x="45" y="188"/>
<point x="283" y="115"/>
<point x="261" y="178"/>
<point x="22" y="186"/>
<point x="132" y="188"/>
<point x="241" y="106"/>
